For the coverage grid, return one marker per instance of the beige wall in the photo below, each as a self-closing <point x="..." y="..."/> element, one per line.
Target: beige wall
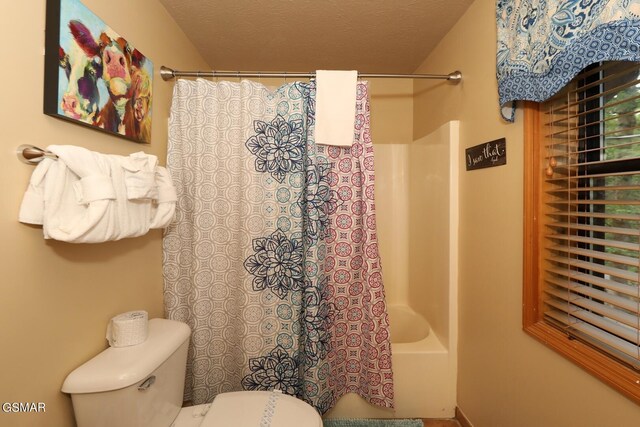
<point x="56" y="298"/>
<point x="505" y="377"/>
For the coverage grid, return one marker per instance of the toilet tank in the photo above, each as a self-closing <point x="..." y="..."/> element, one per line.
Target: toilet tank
<point x="136" y="386"/>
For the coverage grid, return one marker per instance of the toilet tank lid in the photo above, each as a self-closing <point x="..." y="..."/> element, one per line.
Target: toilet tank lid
<point x="117" y="368"/>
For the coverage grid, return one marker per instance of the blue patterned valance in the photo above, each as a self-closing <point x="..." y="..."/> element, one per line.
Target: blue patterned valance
<point x="543" y="44"/>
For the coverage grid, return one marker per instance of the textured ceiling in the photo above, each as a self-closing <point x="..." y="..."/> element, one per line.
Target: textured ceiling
<point x="377" y="36"/>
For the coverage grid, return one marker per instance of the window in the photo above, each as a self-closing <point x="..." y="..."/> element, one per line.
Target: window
<point x="582" y="223"/>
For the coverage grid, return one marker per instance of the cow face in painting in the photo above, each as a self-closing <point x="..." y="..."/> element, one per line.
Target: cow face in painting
<point x="81" y="98"/>
<point x="115" y="60"/>
<point x="136" y="117"/>
<point x="116" y="63"/>
<point x="112" y="53"/>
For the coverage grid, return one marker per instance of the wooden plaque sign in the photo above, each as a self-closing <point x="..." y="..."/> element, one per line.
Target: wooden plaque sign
<point x="487" y="155"/>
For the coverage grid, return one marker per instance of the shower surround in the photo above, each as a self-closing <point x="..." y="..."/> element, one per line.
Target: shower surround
<point x="417" y="206"/>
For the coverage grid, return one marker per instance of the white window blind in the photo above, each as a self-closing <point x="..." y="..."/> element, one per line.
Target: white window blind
<point x="591" y="213"/>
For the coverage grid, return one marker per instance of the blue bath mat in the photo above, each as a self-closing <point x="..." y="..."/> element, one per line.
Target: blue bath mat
<point x="336" y="422"/>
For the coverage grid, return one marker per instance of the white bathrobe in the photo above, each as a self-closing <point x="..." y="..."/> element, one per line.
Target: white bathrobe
<point x="88" y="197"/>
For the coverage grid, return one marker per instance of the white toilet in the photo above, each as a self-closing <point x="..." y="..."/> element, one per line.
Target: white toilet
<point x="142" y="386"/>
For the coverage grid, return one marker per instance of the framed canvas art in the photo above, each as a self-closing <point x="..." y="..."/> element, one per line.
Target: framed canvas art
<point x="94" y="76"/>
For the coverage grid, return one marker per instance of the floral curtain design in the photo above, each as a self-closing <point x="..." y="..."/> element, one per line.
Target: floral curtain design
<point x="544" y="44"/>
<point x="273" y="258"/>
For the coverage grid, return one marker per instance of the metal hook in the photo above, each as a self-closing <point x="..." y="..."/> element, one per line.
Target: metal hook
<point x="30" y="154"/>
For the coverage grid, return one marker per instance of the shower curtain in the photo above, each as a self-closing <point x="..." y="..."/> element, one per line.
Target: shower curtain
<point x="272" y="259"/>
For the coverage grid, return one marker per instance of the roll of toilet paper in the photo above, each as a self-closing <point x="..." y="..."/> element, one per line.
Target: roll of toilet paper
<point x="128" y="329"/>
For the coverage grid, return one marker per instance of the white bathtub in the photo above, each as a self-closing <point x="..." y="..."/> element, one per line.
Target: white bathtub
<point x="424" y="374"/>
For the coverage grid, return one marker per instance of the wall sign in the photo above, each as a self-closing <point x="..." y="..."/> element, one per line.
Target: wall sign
<point x="487" y="155"/>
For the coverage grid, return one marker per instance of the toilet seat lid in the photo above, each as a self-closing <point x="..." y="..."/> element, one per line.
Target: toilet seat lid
<point x="257" y="408"/>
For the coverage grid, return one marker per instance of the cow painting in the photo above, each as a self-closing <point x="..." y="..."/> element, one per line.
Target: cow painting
<point x="103" y="82"/>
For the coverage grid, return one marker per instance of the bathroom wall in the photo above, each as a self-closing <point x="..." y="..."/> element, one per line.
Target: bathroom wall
<point x="505" y="378"/>
<point x="56" y="298"/>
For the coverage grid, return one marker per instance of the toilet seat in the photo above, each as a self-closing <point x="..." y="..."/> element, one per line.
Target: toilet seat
<point x="260" y="408"/>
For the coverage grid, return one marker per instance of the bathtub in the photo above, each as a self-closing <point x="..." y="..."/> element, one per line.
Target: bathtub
<point x="424" y="374"/>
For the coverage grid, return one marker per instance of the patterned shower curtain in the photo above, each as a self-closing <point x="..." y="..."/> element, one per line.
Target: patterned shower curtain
<point x="273" y="259"/>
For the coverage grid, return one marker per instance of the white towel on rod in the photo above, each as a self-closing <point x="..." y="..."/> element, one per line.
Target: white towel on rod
<point x="335" y="107"/>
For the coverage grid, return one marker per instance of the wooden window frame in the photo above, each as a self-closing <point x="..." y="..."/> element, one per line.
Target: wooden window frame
<point x="604" y="367"/>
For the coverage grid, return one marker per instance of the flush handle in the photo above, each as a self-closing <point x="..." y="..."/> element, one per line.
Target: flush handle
<point x="147" y="383"/>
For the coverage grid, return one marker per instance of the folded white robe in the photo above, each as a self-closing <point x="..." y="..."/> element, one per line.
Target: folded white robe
<point x="88" y="197"/>
<point x="140" y="176"/>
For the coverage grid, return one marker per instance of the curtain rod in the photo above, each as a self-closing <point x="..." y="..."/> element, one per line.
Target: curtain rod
<point x="168" y="74"/>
